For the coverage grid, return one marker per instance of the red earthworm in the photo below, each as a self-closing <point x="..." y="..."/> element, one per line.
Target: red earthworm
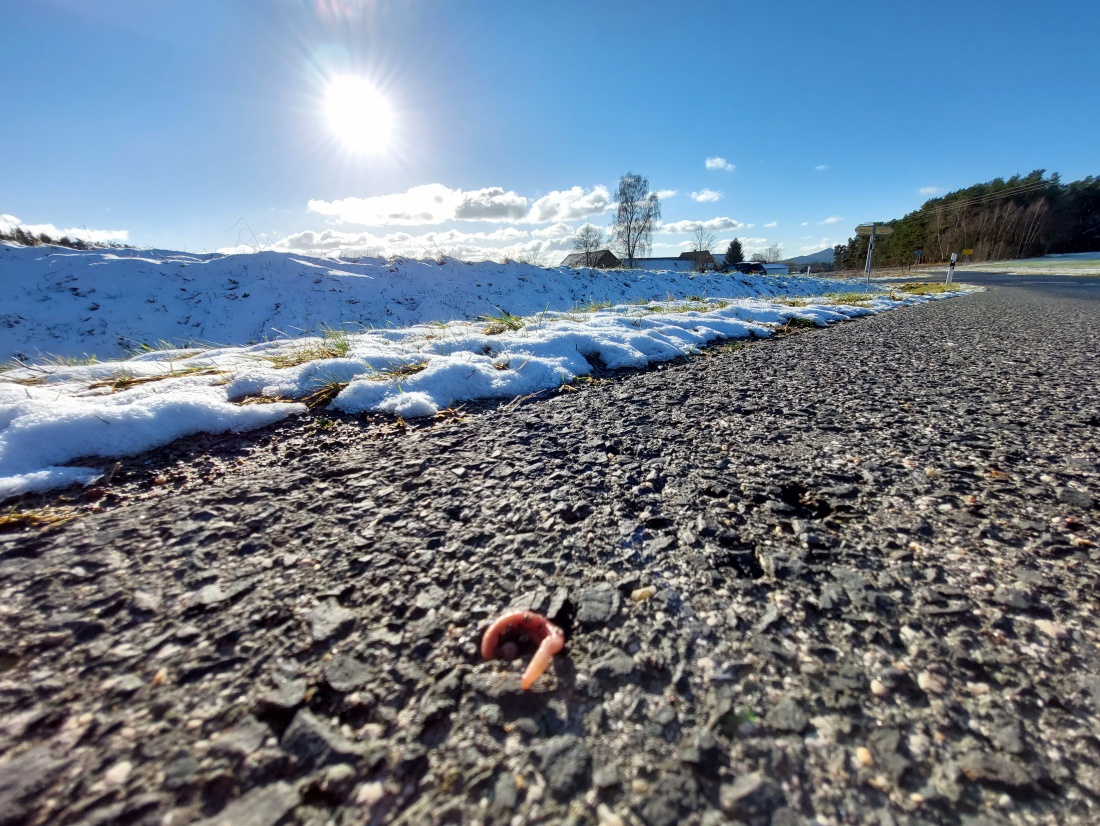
<point x="518" y="627"/>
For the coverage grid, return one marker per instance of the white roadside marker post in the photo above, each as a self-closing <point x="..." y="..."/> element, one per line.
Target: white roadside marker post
<point x="951" y="267"/>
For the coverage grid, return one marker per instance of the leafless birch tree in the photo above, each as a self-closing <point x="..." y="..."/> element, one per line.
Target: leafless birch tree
<point x="639" y="212"/>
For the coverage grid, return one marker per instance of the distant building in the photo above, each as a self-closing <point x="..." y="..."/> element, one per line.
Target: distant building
<point x="663" y="264"/>
<point x="603" y="259"/>
<point x="702" y="259"/>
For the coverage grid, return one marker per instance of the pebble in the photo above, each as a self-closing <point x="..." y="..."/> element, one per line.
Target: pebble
<point x="864" y="756"/>
<point x="329" y="618"/>
<point x="147" y="601"/>
<point x="932" y="682"/>
<point x="919" y="744"/>
<point x="369" y="793"/>
<point x="878" y="688"/>
<point x="597" y="606"/>
<point x="338" y="778"/>
<point x="119" y="773"/>
<point x="262" y="806"/>
<point x="1052" y="630"/>
<point x="566" y="764"/>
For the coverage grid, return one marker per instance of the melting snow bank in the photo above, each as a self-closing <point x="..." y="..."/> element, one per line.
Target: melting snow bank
<point x="69" y="303"/>
<point x="52" y="415"/>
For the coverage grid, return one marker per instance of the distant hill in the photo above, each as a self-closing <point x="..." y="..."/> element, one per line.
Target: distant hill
<point x="823" y="257"/>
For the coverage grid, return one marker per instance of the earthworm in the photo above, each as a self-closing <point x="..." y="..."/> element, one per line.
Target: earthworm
<point x="514" y="627"/>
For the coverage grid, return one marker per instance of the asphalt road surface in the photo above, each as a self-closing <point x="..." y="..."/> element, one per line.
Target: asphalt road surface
<point x="846" y="576"/>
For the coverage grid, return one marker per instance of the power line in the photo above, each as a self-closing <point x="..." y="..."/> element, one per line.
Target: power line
<point x="1013" y="190"/>
<point x="1022" y="189"/>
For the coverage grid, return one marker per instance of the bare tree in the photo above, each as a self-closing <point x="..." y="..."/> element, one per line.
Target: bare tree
<point x="769" y="255"/>
<point x="702" y="244"/>
<point x="588" y="240"/>
<point x="533" y="256"/>
<point x="639" y="211"/>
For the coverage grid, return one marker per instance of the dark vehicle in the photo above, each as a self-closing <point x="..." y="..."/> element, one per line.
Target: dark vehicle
<point x="750" y="268"/>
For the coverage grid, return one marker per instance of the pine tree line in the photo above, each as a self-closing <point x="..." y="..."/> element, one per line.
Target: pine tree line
<point x="1020" y="217"/>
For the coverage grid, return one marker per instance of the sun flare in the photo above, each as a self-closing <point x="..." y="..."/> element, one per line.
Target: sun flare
<point x="358" y="114"/>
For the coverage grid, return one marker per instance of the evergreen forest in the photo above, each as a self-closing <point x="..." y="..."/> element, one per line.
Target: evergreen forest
<point x="1019" y="217"/>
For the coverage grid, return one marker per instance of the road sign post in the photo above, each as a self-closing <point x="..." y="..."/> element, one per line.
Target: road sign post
<point x="951" y="267"/>
<point x="874" y="230"/>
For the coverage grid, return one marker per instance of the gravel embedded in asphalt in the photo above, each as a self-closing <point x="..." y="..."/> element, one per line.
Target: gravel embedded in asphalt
<point x="874" y="554"/>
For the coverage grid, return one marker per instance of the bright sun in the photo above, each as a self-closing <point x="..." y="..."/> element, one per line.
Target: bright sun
<point x="358" y="114"/>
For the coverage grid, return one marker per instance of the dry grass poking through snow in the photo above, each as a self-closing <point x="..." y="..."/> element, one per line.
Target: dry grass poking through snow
<point x="933" y="288"/>
<point x="334" y="344"/>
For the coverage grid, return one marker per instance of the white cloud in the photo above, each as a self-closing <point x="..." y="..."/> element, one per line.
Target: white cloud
<point x="720" y="163"/>
<point x="771" y="224"/>
<point x="93" y="236"/>
<point x="713" y="225"/>
<point x="329" y="241"/>
<point x="454" y="236"/>
<point x="570" y="205"/>
<point x="929" y="190"/>
<point x="833" y="219"/>
<point x="491" y="204"/>
<point x="820" y="245"/>
<point x="662" y="194"/>
<point x="332" y="241"/>
<point x="468" y="246"/>
<point x="706" y="195"/>
<point x="804" y="224"/>
<point x="426" y="204"/>
<point x="821" y="167"/>
<point x="558" y="230"/>
<point x="437" y="204"/>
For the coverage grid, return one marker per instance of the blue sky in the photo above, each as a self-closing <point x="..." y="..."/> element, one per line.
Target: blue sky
<point x="202" y="125"/>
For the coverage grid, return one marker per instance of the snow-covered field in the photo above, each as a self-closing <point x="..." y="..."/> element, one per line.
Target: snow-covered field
<point x="185" y="344"/>
<point x="1076" y="263"/>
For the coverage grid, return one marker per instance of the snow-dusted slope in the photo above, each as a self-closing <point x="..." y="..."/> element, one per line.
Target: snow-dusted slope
<point x="109" y="303"/>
